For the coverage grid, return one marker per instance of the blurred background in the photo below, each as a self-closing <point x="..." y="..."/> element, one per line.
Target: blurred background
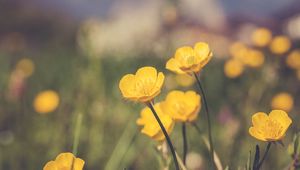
<point x="64" y="58"/>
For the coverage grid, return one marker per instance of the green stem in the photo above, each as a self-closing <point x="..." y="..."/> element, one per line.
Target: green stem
<point x="166" y="135"/>
<point x="185" y="144"/>
<point x="77" y="134"/>
<point x="265" y="155"/>
<point x="208" y="121"/>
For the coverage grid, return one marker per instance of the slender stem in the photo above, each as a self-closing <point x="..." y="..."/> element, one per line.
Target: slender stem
<point x="77" y="134"/>
<point x="185" y="144"/>
<point x="197" y="128"/>
<point x="265" y="155"/>
<point x="218" y="164"/>
<point x="166" y="135"/>
<point x="208" y="120"/>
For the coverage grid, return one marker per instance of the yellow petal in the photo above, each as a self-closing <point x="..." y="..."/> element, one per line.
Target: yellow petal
<point x="203" y="53"/>
<point x="253" y="132"/>
<point x="281" y="117"/>
<point x="65" y="159"/>
<point x="78" y="164"/>
<point x="174" y="65"/>
<point x="51" y="165"/>
<point x="126" y="85"/>
<point x="259" y="119"/>
<point x="146" y="72"/>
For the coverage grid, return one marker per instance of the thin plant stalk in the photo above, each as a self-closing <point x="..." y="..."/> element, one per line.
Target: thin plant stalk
<point x="264" y="156"/>
<point x="185" y="144"/>
<point x="166" y="135"/>
<point x="205" y="140"/>
<point x="208" y="120"/>
<point x="77" y="133"/>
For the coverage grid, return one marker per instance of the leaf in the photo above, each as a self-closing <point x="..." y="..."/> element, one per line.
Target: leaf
<point x="296" y="144"/>
<point x="256" y="158"/>
<point x="248" y="165"/>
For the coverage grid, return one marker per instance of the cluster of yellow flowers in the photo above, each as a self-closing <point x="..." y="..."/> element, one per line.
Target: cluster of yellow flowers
<point x="158" y="120"/>
<point x="143" y="86"/>
<point x="178" y="105"/>
<point x="262" y="37"/>
<point x="242" y="56"/>
<point x="278" y="45"/>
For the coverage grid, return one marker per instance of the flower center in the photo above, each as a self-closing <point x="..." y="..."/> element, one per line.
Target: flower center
<point x="144" y="86"/>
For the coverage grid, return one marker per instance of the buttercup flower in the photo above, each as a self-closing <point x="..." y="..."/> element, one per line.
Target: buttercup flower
<point x="283" y="101"/>
<point x="151" y="127"/>
<point x="65" y="161"/>
<point x="254" y="58"/>
<point x="26" y="67"/>
<point x="143" y="86"/>
<point x="238" y="50"/>
<point x="188" y="59"/>
<point x="270" y="127"/>
<point x="261" y="37"/>
<point x="182" y="106"/>
<point x="46" y="101"/>
<point x="233" y="68"/>
<point x="280" y="44"/>
<point x="293" y="59"/>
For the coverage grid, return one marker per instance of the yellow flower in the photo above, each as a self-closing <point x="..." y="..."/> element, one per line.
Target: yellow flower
<point x="261" y="37"/>
<point x="283" y="101"/>
<point x="254" y="58"/>
<point x="143" y="86"/>
<point x="26" y="67"/>
<point x="280" y="44"/>
<point x="46" y="101"/>
<point x="293" y="59"/>
<point x="233" y="68"/>
<point x="270" y="127"/>
<point x="182" y="106"/>
<point x="184" y="80"/>
<point x="188" y="59"/>
<point x="151" y="127"/>
<point x="64" y="161"/>
<point x="238" y="50"/>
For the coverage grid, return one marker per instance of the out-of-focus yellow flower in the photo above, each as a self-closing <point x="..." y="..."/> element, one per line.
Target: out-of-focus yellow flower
<point x="261" y="37"/>
<point x="143" y="86"/>
<point x="182" y="106"/>
<point x="254" y="58"/>
<point x="283" y="101"/>
<point x="151" y="127"/>
<point x="46" y="101"/>
<point x="184" y="80"/>
<point x="189" y="60"/>
<point x="65" y="161"/>
<point x="270" y="127"/>
<point x="293" y="59"/>
<point x="280" y="44"/>
<point x="26" y="67"/>
<point x="238" y="50"/>
<point x="233" y="68"/>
